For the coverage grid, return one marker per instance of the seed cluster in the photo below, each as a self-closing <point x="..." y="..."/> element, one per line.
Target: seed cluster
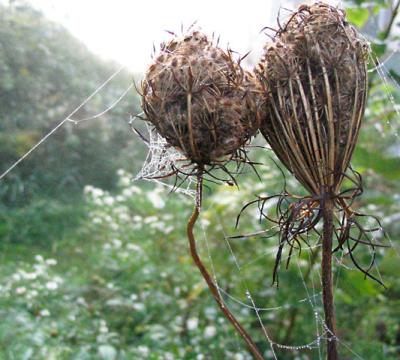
<point x="200" y="99"/>
<point x="315" y="73"/>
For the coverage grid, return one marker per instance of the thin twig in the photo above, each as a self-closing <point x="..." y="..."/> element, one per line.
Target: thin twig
<point x="211" y="285"/>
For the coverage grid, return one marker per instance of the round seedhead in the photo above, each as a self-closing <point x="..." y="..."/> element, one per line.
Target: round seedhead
<point x="316" y="76"/>
<point x="200" y="99"/>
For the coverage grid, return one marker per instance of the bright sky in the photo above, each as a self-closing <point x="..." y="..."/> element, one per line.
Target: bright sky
<point x="126" y="30"/>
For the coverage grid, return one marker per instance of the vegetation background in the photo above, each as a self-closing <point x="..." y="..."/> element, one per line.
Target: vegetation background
<point x="94" y="266"/>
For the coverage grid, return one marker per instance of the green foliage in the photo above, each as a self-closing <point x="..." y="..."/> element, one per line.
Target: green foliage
<point x="357" y="16"/>
<point x="43" y="223"/>
<point x="100" y="295"/>
<point x="44" y="74"/>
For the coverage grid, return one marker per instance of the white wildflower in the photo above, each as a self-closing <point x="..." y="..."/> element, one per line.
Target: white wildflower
<point x="210" y="313"/>
<point x="133" y="247"/>
<point x="156" y="199"/>
<point x="205" y="222"/>
<point x="16" y="277"/>
<point x="88" y="189"/>
<point x="127" y="193"/>
<point x="96" y="192"/>
<point x="58" y="279"/>
<point x="44" y="313"/>
<point x="51" y="262"/>
<point x="192" y="323"/>
<point x="150" y="219"/>
<point x="108" y="200"/>
<point x="98" y="201"/>
<point x="117" y="243"/>
<point x="168" y="229"/>
<point x="124" y="217"/>
<point x="81" y="301"/>
<point x="114" y="226"/>
<point x="29" y="276"/>
<point x="169" y="356"/>
<point x="20" y="290"/>
<point x="103" y="327"/>
<point x="136" y="190"/>
<point x="238" y="356"/>
<point x="108" y="218"/>
<point x="138" y="306"/>
<point x="125" y="181"/>
<point x="209" y="332"/>
<point x="51" y="285"/>
<point x="144" y="350"/>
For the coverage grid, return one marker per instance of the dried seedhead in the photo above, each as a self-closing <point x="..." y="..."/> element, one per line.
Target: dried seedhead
<point x="315" y="71"/>
<point x="314" y="76"/>
<point x="200" y="99"/>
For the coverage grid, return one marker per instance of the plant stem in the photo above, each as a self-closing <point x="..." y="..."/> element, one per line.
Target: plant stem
<point x="211" y="285"/>
<point x="385" y="34"/>
<point x="326" y="269"/>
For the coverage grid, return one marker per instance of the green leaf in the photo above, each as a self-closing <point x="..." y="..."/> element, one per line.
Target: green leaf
<point x="358" y="16"/>
<point x="388" y="167"/>
<point x="356" y="285"/>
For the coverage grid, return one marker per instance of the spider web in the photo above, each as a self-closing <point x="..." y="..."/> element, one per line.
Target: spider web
<point x="162" y="160"/>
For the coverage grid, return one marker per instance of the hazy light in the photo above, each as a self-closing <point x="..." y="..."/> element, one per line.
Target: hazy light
<point x="126" y="30"/>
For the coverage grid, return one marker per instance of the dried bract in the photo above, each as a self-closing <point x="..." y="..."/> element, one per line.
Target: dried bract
<point x="315" y="70"/>
<point x="199" y="99"/>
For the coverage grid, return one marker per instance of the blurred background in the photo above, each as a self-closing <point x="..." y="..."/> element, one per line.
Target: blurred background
<point x="95" y="266"/>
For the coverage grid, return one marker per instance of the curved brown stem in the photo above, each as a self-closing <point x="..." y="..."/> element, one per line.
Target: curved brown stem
<point x="211" y="285"/>
<point x="326" y="270"/>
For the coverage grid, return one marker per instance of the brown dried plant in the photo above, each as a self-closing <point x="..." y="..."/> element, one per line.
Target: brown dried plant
<point x="314" y="78"/>
<point x="200" y="99"/>
<point x="202" y="102"/>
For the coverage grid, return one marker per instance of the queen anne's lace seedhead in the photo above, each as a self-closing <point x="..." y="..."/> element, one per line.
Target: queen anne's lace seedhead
<point x="316" y="76"/>
<point x="199" y="99"/>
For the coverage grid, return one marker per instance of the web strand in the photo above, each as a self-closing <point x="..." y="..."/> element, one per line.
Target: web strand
<point x="113" y="105"/>
<point x="60" y="124"/>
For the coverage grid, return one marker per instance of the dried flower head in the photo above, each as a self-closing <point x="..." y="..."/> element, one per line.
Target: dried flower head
<point x="315" y="71"/>
<point x="199" y="99"/>
<point x="314" y="77"/>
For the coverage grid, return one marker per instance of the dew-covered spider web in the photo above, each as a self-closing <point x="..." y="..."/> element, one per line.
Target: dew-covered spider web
<point x="163" y="161"/>
<point x="238" y="293"/>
